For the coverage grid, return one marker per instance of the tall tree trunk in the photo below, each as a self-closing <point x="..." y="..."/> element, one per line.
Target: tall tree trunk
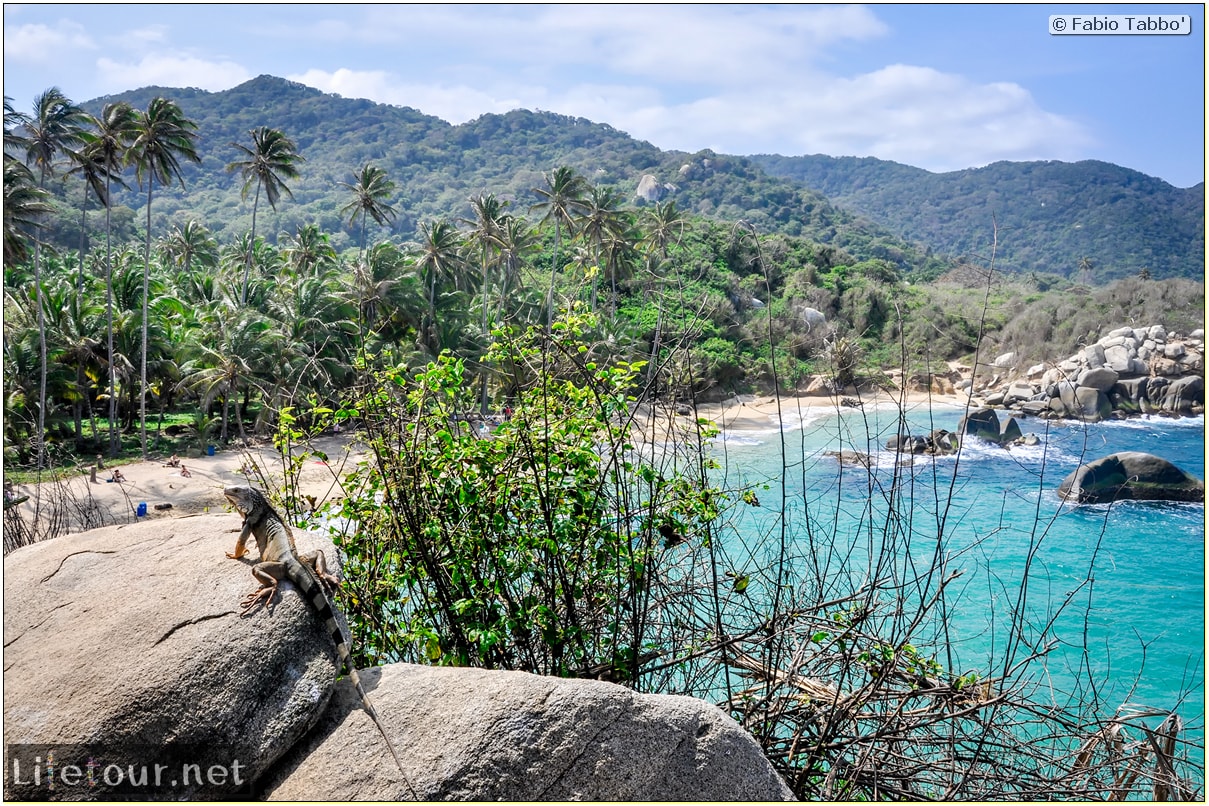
<point x="143" y="358"/>
<point x="77" y="406"/>
<point x="553" y="269"/>
<point x="113" y="400"/>
<point x="41" y="438"/>
<point x="247" y="269"/>
<point x="83" y="238"/>
<point x="483" y="370"/>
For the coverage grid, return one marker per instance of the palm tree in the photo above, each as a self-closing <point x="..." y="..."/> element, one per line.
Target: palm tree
<point x="439" y="259"/>
<point x="371" y="190"/>
<point x="488" y="225"/>
<point x="561" y="199"/>
<point x="163" y="136"/>
<point x="309" y="251"/>
<point x="272" y="157"/>
<point x="25" y="204"/>
<point x="518" y="240"/>
<point x="56" y="125"/>
<point x="602" y="218"/>
<point x="665" y="226"/>
<point x="115" y="130"/>
<point x="94" y="172"/>
<point x="189" y="246"/>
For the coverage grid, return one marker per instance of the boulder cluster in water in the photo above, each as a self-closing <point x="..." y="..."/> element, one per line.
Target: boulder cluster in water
<point x="983" y="424"/>
<point x="1130" y="371"/>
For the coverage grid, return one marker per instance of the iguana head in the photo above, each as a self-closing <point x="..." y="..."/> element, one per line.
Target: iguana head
<point x="241" y="496"/>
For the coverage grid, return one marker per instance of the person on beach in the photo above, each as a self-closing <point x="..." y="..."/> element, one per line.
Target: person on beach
<point x="117" y="476"/>
<point x="185" y="472"/>
<point x="174" y="461"/>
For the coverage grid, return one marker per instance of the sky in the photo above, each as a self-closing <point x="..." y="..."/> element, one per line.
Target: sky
<point x="941" y="87"/>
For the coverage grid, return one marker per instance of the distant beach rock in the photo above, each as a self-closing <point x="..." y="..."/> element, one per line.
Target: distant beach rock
<point x="1130" y="475"/>
<point x="1130" y="371"/>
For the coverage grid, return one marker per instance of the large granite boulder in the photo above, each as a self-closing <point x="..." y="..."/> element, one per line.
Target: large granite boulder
<point x="125" y="645"/>
<point x="473" y="734"/>
<point x="1130" y="475"/>
<point x="981" y="423"/>
<point x="127" y="641"/>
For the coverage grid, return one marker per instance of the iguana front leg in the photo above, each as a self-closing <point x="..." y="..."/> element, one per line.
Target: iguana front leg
<point x="318" y="564"/>
<point x="268" y="574"/>
<point x="241" y="547"/>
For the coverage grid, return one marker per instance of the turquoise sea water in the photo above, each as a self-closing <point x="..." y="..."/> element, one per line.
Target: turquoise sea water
<point x="1117" y="591"/>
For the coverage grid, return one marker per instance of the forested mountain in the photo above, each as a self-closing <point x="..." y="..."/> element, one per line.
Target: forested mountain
<point x="1089" y="221"/>
<point x="438" y="166"/>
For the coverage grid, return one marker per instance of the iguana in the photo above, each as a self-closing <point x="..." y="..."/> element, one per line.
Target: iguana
<point x="279" y="559"/>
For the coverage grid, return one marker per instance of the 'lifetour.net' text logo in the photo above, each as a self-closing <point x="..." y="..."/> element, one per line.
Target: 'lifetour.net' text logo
<point x="46" y="771"/>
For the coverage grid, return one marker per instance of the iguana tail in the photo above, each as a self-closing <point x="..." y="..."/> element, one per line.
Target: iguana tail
<point x="310" y="588"/>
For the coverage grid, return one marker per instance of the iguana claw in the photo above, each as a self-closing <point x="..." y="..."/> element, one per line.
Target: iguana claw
<point x="261" y="595"/>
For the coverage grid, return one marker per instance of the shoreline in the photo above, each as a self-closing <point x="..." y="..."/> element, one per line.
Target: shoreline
<point x="83" y="504"/>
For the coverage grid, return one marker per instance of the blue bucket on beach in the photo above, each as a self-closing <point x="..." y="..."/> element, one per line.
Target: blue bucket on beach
<point x="209" y="450"/>
<point x="142" y="509"/>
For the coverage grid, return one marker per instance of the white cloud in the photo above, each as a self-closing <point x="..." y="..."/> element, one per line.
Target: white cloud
<point x="906" y="113"/>
<point x="738" y="79"/>
<point x="35" y="43"/>
<point x="456" y="103"/>
<point x="157" y="69"/>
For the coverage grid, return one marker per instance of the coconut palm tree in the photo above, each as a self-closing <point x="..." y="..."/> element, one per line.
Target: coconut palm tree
<point x="439" y="260"/>
<point x="665" y="225"/>
<point x="489" y="219"/>
<point x="370" y="191"/>
<point x="25" y="205"/>
<point x="106" y="148"/>
<point x="188" y="247"/>
<point x="518" y="240"/>
<point x="271" y="159"/>
<point x="163" y="136"/>
<point x="309" y="251"/>
<point x="602" y="218"/>
<point x="56" y="126"/>
<point x="561" y="200"/>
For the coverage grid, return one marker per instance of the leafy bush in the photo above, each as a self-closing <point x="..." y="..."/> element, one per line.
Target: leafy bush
<point x="540" y="543"/>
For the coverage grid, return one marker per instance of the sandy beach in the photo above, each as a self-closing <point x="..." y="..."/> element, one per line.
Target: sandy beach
<point x="169" y="494"/>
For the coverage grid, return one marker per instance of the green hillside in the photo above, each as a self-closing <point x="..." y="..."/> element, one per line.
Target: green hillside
<point x="438" y="166"/>
<point x="1051" y="215"/>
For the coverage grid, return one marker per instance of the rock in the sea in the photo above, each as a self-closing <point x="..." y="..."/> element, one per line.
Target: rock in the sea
<point x="1131" y="475"/>
<point x="474" y="734"/>
<point x="981" y="423"/>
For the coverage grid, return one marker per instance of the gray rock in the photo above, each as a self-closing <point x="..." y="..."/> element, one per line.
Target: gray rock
<point x="982" y="423"/>
<point x="1130" y="475"/>
<point x="1092" y="405"/>
<point x="472" y="734"/>
<point x="1018" y="391"/>
<point x="1173" y="349"/>
<point x="1101" y="378"/>
<point x="1093" y="355"/>
<point x="649" y="189"/>
<point x="1118" y="358"/>
<point x="1181" y="396"/>
<point x="1128" y="395"/>
<point x="1120" y="332"/>
<point x="1112" y="341"/>
<point x="1158" y="333"/>
<point x="128" y="640"/>
<point x="1005" y="361"/>
<point x="1011" y="432"/>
